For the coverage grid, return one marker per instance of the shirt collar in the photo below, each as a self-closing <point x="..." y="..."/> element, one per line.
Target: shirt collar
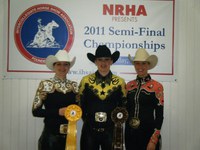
<point x="144" y="79"/>
<point x="56" y="79"/>
<point x="105" y="79"/>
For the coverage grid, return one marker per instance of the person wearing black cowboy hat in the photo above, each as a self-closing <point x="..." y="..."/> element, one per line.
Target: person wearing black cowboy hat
<point x="145" y="103"/>
<point x="99" y="94"/>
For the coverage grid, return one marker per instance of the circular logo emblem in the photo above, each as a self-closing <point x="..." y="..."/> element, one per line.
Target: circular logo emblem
<point x="42" y="30"/>
<point x="119" y="115"/>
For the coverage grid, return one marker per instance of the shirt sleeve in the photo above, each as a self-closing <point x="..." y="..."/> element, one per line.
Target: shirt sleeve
<point x="158" y="113"/>
<point x="38" y="109"/>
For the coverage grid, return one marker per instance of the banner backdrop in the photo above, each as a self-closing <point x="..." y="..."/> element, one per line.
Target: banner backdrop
<point x="37" y="29"/>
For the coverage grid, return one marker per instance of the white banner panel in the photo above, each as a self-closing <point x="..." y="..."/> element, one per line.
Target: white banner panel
<point x="37" y="29"/>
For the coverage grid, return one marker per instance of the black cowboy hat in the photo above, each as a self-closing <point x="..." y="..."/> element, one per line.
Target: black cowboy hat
<point x="103" y="51"/>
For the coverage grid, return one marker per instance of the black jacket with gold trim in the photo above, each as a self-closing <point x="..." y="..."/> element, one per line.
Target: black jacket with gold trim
<point x="52" y="95"/>
<point x="101" y="94"/>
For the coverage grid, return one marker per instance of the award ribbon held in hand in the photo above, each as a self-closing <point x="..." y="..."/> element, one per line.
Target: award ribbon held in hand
<point x="119" y="115"/>
<point x="72" y="113"/>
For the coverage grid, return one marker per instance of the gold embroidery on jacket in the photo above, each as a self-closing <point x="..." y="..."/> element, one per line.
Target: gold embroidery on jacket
<point x="49" y="86"/>
<point x="102" y="89"/>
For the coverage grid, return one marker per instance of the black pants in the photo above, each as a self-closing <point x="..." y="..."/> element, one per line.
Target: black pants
<point x="138" y="139"/>
<point x="51" y="141"/>
<point x="94" y="138"/>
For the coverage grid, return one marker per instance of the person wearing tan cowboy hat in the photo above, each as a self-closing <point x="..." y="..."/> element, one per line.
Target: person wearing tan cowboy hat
<point x="145" y="101"/>
<point x="51" y="99"/>
<point x="99" y="94"/>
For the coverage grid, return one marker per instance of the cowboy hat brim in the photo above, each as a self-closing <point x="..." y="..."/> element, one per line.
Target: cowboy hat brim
<point x="50" y="60"/>
<point x="152" y="59"/>
<point x="114" y="56"/>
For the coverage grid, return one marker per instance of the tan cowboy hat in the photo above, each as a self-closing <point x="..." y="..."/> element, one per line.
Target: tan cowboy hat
<point x="61" y="55"/>
<point x="103" y="51"/>
<point x="142" y="55"/>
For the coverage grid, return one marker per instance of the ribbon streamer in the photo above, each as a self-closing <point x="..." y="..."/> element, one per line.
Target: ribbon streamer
<point x="119" y="115"/>
<point x="72" y="113"/>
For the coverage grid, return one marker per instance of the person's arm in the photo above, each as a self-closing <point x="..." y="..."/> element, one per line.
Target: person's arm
<point x="40" y="97"/>
<point x="158" y="113"/>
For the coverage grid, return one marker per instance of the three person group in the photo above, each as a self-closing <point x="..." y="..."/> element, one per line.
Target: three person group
<point x="98" y="94"/>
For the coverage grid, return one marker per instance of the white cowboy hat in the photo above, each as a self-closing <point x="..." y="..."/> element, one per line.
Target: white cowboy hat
<point x="61" y="55"/>
<point x="142" y="55"/>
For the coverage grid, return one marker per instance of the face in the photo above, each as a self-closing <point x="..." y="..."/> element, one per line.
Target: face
<point x="141" y="68"/>
<point x="61" y="69"/>
<point x="103" y="64"/>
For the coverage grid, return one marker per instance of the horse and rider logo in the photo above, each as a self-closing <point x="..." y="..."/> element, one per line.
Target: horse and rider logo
<point x="44" y="37"/>
<point x="42" y="30"/>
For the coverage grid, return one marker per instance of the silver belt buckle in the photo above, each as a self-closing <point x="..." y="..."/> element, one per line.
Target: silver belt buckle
<point x="100" y="117"/>
<point x="63" y="128"/>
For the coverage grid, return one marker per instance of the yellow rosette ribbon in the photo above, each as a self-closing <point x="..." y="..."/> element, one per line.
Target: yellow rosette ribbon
<point x="72" y="113"/>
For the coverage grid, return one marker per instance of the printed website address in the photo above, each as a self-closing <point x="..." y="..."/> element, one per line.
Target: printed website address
<point x="84" y="72"/>
<point x="80" y="72"/>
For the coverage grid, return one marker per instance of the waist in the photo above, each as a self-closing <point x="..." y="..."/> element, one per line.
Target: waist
<point x="101" y="129"/>
<point x="48" y="133"/>
<point x="98" y="126"/>
<point x="98" y="117"/>
<point x="56" y="130"/>
<point x="98" y="129"/>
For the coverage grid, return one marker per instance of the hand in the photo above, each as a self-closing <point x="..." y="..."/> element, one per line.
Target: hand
<point x="42" y="95"/>
<point x="62" y="111"/>
<point x="151" y="146"/>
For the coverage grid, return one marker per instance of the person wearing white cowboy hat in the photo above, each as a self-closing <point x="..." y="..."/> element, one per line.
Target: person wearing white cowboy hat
<point x="143" y="56"/>
<point x="145" y="103"/>
<point x="60" y="56"/>
<point x="52" y="97"/>
<point x="99" y="94"/>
